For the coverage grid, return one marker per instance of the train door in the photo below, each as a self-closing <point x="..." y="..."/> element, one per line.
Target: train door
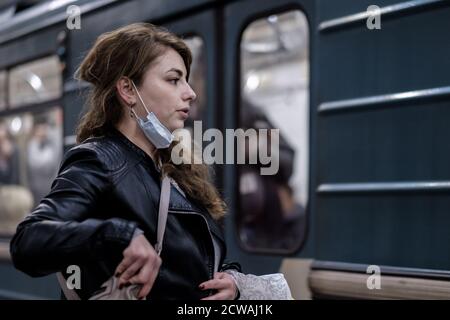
<point x="268" y="73"/>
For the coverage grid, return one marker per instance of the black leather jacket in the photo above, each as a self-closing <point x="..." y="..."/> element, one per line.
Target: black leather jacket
<point x="106" y="187"/>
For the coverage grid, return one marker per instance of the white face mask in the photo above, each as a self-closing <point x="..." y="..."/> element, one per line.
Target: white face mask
<point x="154" y="130"/>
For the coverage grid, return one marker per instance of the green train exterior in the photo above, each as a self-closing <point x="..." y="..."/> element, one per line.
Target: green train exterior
<point x="375" y="118"/>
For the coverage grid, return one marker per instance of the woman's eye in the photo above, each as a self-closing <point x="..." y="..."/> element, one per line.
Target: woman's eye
<point x="174" y="81"/>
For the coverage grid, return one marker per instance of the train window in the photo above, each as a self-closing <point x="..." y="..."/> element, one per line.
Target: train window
<point x="2" y="90"/>
<point x="30" y="154"/>
<point x="36" y="81"/>
<point x="275" y="94"/>
<point x="197" y="79"/>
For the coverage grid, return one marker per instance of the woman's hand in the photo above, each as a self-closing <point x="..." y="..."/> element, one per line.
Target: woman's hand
<point x="224" y="284"/>
<point x="140" y="265"/>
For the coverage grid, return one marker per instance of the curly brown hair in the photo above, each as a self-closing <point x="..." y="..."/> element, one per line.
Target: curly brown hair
<point x="129" y="51"/>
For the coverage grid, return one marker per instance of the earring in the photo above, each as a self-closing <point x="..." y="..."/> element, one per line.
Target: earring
<point x="131" y="110"/>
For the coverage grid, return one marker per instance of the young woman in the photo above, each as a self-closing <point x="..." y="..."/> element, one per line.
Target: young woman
<point x="101" y="213"/>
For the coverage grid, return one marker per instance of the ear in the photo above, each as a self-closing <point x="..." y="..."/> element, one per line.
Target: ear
<point x="125" y="91"/>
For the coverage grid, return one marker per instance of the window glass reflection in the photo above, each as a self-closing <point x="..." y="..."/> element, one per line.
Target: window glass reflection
<point x="36" y="81"/>
<point x="30" y="154"/>
<point x="275" y="94"/>
<point x="197" y="80"/>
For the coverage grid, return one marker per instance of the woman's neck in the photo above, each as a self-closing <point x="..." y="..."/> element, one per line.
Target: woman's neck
<point x="131" y="130"/>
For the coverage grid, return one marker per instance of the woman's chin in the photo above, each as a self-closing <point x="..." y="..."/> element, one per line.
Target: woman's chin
<point x="179" y="124"/>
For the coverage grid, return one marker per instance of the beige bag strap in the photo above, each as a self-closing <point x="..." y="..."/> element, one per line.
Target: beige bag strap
<point x="164" y="199"/>
<point x="163" y="212"/>
<point x="69" y="293"/>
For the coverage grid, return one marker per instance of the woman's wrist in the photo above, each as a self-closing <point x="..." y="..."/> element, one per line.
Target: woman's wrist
<point x="137" y="232"/>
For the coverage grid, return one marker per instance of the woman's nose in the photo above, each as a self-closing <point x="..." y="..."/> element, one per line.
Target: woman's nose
<point x="190" y="94"/>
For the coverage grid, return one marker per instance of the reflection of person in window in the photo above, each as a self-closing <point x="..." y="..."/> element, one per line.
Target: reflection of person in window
<point x="43" y="160"/>
<point x="15" y="201"/>
<point x="269" y="215"/>
<point x="9" y="158"/>
<point x="197" y="81"/>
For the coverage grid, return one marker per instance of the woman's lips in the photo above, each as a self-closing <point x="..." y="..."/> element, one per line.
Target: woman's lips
<point x="184" y="113"/>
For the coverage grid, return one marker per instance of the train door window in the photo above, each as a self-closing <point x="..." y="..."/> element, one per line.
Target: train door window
<point x="30" y="154"/>
<point x="275" y="94"/>
<point x="197" y="80"/>
<point x="2" y="90"/>
<point x="36" y="81"/>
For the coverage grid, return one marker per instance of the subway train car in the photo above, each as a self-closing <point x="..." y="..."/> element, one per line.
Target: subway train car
<point x="359" y="206"/>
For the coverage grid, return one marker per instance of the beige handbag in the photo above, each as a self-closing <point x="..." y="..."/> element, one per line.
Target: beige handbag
<point x="111" y="286"/>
